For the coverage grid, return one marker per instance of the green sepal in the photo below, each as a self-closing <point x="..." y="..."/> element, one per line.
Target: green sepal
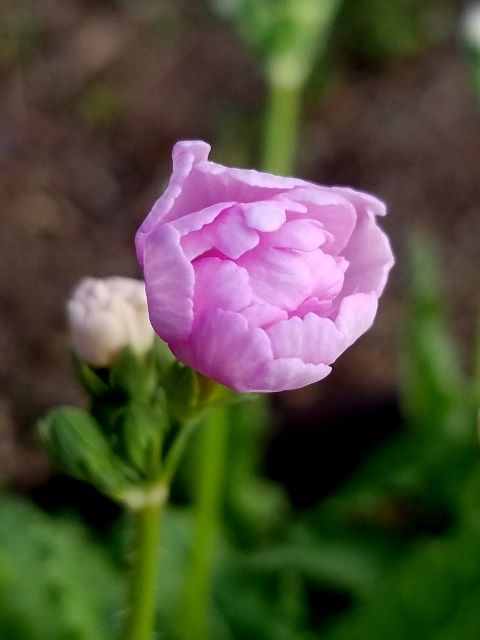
<point x="75" y="442"/>
<point x="161" y="356"/>
<point x="133" y="376"/>
<point x="141" y="431"/>
<point x="90" y="378"/>
<point x="182" y="390"/>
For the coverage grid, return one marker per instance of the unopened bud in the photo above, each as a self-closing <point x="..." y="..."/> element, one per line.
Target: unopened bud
<point x="107" y="315"/>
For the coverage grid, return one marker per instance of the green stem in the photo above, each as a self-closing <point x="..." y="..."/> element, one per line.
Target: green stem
<point x="177" y="449"/>
<point x="143" y="577"/>
<point x="281" y="127"/>
<point x="212" y="460"/>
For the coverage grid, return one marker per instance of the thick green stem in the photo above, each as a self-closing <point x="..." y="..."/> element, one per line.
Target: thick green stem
<point x="140" y="615"/>
<point x="281" y="127"/>
<point x="212" y="460"/>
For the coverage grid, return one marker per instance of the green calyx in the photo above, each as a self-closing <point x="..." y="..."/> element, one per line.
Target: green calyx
<point x="142" y="411"/>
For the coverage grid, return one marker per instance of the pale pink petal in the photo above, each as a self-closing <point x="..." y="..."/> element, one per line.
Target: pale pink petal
<point x="334" y="211"/>
<point x="287" y="204"/>
<point x="263" y="216"/>
<point x="370" y="257"/>
<point x="304" y="235"/>
<point x="248" y="185"/>
<point x="263" y="315"/>
<point x="198" y="219"/>
<point x="326" y="273"/>
<point x="196" y="243"/>
<point x="362" y="200"/>
<point x="356" y="315"/>
<point x="313" y="339"/>
<point x="313" y="305"/>
<point x="176" y="200"/>
<point x="169" y="281"/>
<point x="231" y="236"/>
<point x="223" y="347"/>
<point x="287" y="373"/>
<point x="220" y="284"/>
<point x="278" y="277"/>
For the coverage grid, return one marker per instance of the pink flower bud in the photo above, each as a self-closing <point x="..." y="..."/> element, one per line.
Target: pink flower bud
<point x="258" y="281"/>
<point x="107" y="315"/>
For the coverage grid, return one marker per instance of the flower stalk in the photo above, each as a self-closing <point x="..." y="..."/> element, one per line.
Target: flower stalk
<point x="140" y="615"/>
<point x="282" y="124"/>
<point x="212" y="460"/>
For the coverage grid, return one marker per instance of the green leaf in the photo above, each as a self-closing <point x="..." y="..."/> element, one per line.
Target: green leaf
<point x="74" y="440"/>
<point x="422" y="596"/>
<point x="55" y="581"/>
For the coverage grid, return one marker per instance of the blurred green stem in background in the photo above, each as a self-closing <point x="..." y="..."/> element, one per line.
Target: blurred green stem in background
<point x="476" y="367"/>
<point x="296" y="35"/>
<point x="212" y="460"/>
<point x="140" y="614"/>
<point x="282" y="125"/>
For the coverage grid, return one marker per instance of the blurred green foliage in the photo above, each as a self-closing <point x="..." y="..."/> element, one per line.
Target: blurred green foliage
<point x="55" y="582"/>
<point x="381" y="30"/>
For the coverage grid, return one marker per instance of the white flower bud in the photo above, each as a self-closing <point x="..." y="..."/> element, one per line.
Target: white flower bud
<point x="106" y="315"/>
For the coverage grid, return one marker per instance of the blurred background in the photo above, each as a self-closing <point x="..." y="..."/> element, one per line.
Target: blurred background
<point x="368" y="479"/>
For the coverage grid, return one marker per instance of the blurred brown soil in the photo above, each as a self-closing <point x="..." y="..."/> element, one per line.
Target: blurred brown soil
<point x="93" y="96"/>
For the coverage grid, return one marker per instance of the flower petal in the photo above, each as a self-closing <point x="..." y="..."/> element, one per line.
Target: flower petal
<point x="356" y="315"/>
<point x="335" y="212"/>
<point x="223" y="347"/>
<point x="313" y="305"/>
<point x="327" y="274"/>
<point x="220" y="284"/>
<point x="288" y="373"/>
<point x="262" y="315"/>
<point x="231" y="236"/>
<point x="176" y="200"/>
<point x="362" y="200"/>
<point x="370" y="257"/>
<point x="305" y="235"/>
<point x="169" y="281"/>
<point x="263" y="216"/>
<point x="313" y="339"/>
<point x="278" y="277"/>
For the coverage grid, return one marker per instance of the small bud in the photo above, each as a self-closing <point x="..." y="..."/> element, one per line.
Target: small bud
<point x="107" y="315"/>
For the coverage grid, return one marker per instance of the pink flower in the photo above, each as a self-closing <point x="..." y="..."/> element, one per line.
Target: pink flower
<point x="257" y="281"/>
